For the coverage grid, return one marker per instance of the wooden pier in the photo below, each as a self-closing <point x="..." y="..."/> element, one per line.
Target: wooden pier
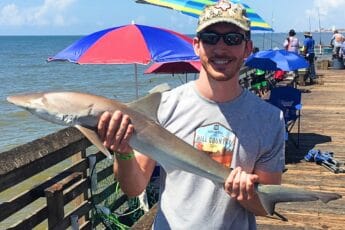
<point x="322" y="127"/>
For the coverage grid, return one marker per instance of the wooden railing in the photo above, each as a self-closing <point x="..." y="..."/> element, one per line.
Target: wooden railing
<point x="68" y="190"/>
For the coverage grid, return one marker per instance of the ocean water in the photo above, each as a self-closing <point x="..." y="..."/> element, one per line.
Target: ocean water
<point x="23" y="68"/>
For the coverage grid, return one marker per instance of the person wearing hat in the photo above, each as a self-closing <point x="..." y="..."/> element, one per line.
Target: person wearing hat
<point x="216" y="115"/>
<point x="291" y="43"/>
<point x="309" y="53"/>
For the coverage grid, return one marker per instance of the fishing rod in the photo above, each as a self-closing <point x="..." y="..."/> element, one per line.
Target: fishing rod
<point x="272" y="21"/>
<point x="320" y="43"/>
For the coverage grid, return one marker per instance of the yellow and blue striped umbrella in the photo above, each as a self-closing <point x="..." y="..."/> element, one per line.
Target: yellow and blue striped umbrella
<point x="195" y="7"/>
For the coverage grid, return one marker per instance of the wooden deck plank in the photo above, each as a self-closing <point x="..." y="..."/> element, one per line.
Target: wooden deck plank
<point x="322" y="127"/>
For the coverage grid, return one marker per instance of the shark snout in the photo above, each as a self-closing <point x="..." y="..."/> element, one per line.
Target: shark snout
<point x="23" y="100"/>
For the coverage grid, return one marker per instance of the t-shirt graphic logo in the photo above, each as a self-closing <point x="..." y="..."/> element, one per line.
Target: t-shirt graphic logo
<point x="216" y="140"/>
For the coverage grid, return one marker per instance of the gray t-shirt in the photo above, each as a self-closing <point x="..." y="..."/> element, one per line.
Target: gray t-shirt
<point x="246" y="132"/>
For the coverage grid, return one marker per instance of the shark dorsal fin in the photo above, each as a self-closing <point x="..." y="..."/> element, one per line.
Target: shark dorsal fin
<point x="160" y="88"/>
<point x="147" y="105"/>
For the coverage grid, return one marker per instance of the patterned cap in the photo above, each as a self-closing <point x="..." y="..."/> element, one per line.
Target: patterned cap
<point x="223" y="11"/>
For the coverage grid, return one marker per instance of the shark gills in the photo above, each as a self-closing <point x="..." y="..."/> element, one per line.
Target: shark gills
<point x="83" y="111"/>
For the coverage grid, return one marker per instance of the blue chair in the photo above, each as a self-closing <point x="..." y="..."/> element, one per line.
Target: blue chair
<point x="288" y="99"/>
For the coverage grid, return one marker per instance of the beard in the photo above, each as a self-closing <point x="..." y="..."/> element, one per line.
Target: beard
<point x="222" y="73"/>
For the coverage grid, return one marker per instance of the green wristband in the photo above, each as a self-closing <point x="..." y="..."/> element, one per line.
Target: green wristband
<point x="124" y="156"/>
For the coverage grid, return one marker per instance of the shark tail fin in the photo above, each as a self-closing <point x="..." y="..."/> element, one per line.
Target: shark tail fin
<point x="93" y="137"/>
<point x="327" y="197"/>
<point x="269" y="195"/>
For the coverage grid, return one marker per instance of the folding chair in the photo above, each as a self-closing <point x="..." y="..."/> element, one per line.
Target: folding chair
<point x="288" y="99"/>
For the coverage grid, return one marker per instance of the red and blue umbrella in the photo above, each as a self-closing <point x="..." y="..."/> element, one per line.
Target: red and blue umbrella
<point x="276" y="60"/>
<point x="129" y="44"/>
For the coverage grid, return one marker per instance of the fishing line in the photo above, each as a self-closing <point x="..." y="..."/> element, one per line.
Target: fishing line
<point x="105" y="191"/>
<point x="108" y="219"/>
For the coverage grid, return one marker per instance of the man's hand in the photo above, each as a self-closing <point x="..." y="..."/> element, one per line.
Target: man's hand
<point x="240" y="185"/>
<point x="115" y="131"/>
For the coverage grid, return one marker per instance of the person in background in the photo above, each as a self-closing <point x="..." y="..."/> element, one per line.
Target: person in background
<point x="291" y="43"/>
<point x="213" y="107"/>
<point x="309" y="53"/>
<point x="342" y="50"/>
<point x="336" y="43"/>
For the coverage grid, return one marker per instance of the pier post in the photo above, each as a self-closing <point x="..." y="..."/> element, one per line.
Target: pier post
<point x="55" y="205"/>
<point x="55" y="199"/>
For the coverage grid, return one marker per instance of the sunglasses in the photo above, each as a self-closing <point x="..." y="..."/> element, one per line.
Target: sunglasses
<point x="231" y="39"/>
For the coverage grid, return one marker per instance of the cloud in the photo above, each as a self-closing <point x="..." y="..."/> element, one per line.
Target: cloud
<point x="10" y="15"/>
<point x="49" y="13"/>
<point x="327" y="11"/>
<point x="325" y="8"/>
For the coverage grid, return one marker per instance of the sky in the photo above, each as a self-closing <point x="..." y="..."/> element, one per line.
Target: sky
<point x="81" y="17"/>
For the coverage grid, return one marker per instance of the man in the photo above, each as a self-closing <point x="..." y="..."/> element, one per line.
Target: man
<point x="309" y="53"/>
<point x="336" y="42"/>
<point x="216" y="115"/>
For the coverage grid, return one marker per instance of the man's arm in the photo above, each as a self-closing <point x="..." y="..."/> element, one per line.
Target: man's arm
<point x="132" y="169"/>
<point x="133" y="174"/>
<point x="240" y="185"/>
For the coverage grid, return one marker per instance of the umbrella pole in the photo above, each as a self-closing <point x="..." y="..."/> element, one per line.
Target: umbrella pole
<point x="136" y="80"/>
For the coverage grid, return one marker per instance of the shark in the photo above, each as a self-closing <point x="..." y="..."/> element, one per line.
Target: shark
<point x="82" y="110"/>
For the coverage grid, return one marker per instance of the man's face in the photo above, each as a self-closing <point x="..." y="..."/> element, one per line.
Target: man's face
<point x="220" y="60"/>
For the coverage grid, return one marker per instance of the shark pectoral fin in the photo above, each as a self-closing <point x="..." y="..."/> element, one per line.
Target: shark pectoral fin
<point x="147" y="105"/>
<point x="93" y="137"/>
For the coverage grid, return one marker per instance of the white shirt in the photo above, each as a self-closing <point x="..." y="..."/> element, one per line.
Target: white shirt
<point x="291" y="44"/>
